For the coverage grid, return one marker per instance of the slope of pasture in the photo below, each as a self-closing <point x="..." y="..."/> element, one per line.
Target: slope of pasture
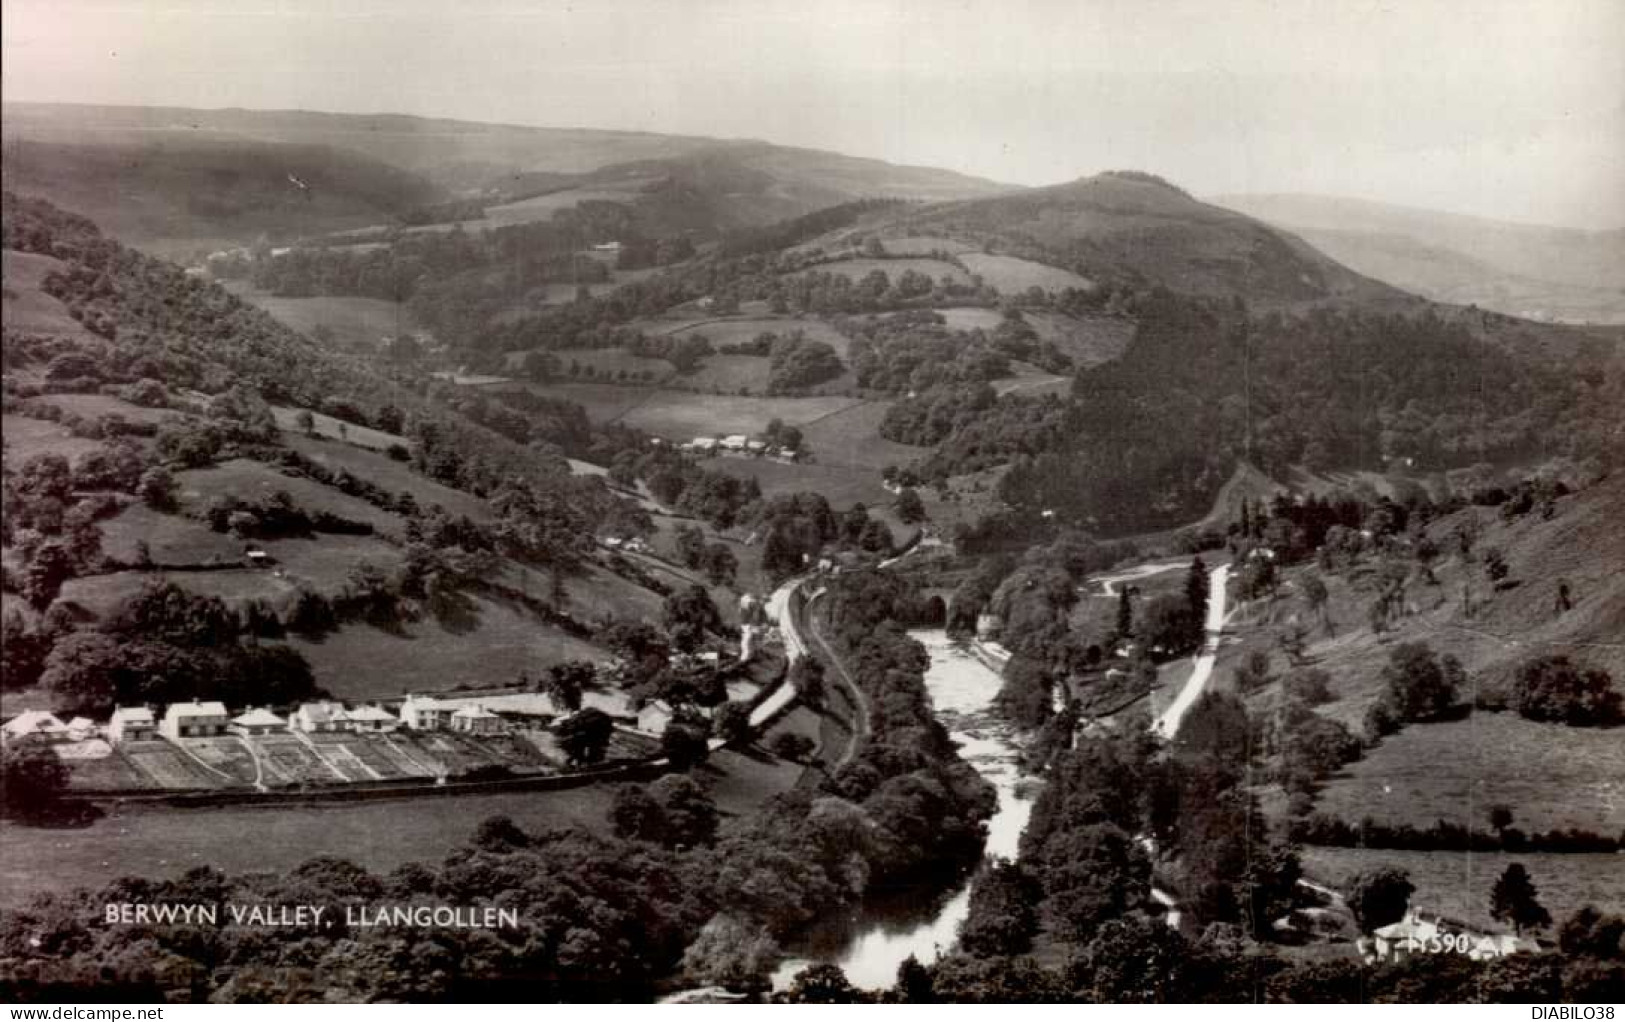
<point x="252" y="480"/>
<point x="1009" y="274"/>
<point x="355" y="323"/>
<point x="851" y="438"/>
<point x="28" y="309"/>
<point x="1086" y="340"/>
<point x="1457" y="884"/>
<point x="488" y="645"/>
<point x="841" y="485"/>
<point x="739" y="330"/>
<point x="603" y="402"/>
<point x="92" y="406"/>
<point x="287" y="419"/>
<point x="1549" y="775"/>
<point x="390" y="474"/>
<point x="26" y="437"/>
<point x="922" y="246"/>
<point x="607" y="363"/>
<point x="857" y="269"/>
<point x="676" y="414"/>
<point x="542" y="207"/>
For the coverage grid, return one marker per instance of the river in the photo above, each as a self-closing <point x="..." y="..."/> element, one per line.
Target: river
<point x="870" y="944"/>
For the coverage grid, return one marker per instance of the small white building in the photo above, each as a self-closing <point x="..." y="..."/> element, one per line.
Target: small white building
<point x="40" y="725"/>
<point x="195" y="720"/>
<point x="424" y="713"/>
<point x="373" y="719"/>
<point x="81" y="728"/>
<point x="323" y="717"/>
<point x="131" y="724"/>
<point x="477" y="720"/>
<point x="259" y="722"/>
<point x="702" y="445"/>
<point x="735" y="444"/>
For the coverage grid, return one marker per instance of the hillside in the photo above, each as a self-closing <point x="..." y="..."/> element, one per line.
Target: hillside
<point x="1135" y="228"/>
<point x="426" y="541"/>
<point x="212" y="176"/>
<point x="1519" y="269"/>
<point x="188" y="194"/>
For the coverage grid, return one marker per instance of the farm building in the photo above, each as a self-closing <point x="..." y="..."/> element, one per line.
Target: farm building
<point x="477" y="720"/>
<point x="35" y="724"/>
<point x="321" y="717"/>
<point x="372" y="719"/>
<point x="423" y="713"/>
<point x="131" y="724"/>
<point x="81" y="728"/>
<point x="259" y="722"/>
<point x="195" y="720"/>
<point x="701" y="445"/>
<point x="735" y="444"/>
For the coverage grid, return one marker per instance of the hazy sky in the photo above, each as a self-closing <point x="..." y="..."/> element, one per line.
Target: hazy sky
<point x="1502" y="108"/>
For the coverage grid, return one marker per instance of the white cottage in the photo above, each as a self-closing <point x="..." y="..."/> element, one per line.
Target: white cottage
<point x="131" y="724"/>
<point x="195" y="720"/>
<point x="321" y="717"/>
<point x="424" y="713"/>
<point x="476" y="720"/>
<point x="41" y="725"/>
<point x="259" y="722"/>
<point x="373" y="719"/>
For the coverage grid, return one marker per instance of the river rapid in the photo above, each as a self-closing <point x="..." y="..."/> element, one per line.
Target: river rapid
<point x="872" y="942"/>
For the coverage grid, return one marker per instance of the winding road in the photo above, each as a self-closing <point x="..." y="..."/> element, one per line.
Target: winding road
<point x="1167" y="725"/>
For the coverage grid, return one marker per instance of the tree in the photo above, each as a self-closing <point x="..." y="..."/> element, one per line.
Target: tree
<point x="875" y="538"/>
<point x="1315" y="594"/>
<point x="1419" y="685"/>
<point x="690" y="816"/>
<point x="721" y="566"/>
<point x="584" y="737"/>
<point x="47" y="570"/>
<point x="732" y="722"/>
<point x="1589" y="933"/>
<point x="807" y="678"/>
<point x="635" y="815"/>
<point x="791" y="746"/>
<point x="305" y="421"/>
<point x="1513" y="900"/>
<point x="910" y="508"/>
<point x="690" y="545"/>
<point x="823" y="983"/>
<point x="499" y="834"/>
<point x="685" y="742"/>
<point x="1125" y="614"/>
<point x="1551" y="688"/>
<point x="733" y="954"/>
<point x="1003" y="914"/>
<point x="914" y="982"/>
<point x="157" y="489"/>
<point x="689" y="615"/>
<point x="1378" y="896"/>
<point x="32" y="779"/>
<point x="1196" y="591"/>
<point x="1254" y="672"/>
<point x="1500" y="818"/>
<point x="564" y="683"/>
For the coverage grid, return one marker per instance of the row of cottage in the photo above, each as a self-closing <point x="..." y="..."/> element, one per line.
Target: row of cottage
<point x="740" y="444"/>
<point x="207" y="719"/>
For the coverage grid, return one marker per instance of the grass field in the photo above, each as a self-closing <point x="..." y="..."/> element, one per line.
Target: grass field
<point x="26" y="308"/>
<point x="491" y="647"/>
<point x="92" y="405"/>
<point x="1010" y="274"/>
<point x="287" y="419"/>
<point x="1087" y="341"/>
<point x="851" y="438"/>
<point x="842" y="486"/>
<point x="857" y="269"/>
<point x="390" y="474"/>
<point x="1458" y="884"/>
<point x="603" y="402"/>
<point x="542" y="207"/>
<point x="1550" y="775"/>
<point x="251" y="480"/>
<point x="356" y="323"/>
<point x="27" y="437"/>
<point x="679" y="415"/>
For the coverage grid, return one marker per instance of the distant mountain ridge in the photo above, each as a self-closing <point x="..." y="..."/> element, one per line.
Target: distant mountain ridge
<point x="731" y="181"/>
<point x="1519" y="269"/>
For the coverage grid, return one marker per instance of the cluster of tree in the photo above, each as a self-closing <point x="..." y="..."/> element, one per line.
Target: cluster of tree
<point x="915" y="350"/>
<point x="798" y="363"/>
<point x="1446" y="836"/>
<point x="275" y="516"/>
<point x="716" y="559"/>
<point x="1418" y="686"/>
<point x="1153" y="434"/>
<point x="928" y="417"/>
<point x="1551" y="688"/>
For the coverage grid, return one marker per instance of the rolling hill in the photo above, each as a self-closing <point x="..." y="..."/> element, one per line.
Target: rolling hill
<point x="1519" y="269"/>
<point x="165" y="176"/>
<point x="1137" y="229"/>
